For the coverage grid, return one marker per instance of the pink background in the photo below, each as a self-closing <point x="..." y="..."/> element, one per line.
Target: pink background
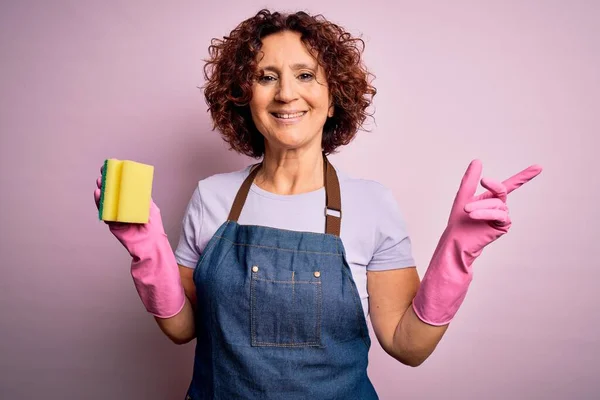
<point x="509" y="82"/>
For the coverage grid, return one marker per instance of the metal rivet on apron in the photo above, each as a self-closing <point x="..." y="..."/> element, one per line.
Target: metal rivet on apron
<point x="255" y="269"/>
<point x="317" y="274"/>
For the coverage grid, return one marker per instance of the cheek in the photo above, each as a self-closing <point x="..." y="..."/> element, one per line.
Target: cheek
<point x="260" y="98"/>
<point x="320" y="99"/>
<point x="258" y="107"/>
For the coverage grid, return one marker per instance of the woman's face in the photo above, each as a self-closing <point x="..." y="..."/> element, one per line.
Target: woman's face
<point x="290" y="98"/>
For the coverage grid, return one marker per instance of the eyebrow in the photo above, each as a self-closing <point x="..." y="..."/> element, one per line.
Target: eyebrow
<point x="296" y="66"/>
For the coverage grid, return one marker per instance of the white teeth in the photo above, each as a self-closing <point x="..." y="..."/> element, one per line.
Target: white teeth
<point x="288" y="116"/>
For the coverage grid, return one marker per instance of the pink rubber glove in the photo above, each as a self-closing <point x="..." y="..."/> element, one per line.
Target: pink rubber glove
<point x="153" y="267"/>
<point x="475" y="222"/>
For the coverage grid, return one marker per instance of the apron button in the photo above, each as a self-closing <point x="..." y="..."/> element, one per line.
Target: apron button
<point x="317" y="274"/>
<point x="255" y="269"/>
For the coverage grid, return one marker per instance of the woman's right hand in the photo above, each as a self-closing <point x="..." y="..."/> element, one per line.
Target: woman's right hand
<point x="154" y="269"/>
<point x="132" y="234"/>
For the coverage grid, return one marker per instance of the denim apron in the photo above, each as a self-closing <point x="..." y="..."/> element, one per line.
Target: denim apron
<point x="278" y="314"/>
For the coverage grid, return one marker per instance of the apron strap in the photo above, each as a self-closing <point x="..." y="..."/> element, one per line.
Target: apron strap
<point x="333" y="208"/>
<point x="242" y="194"/>
<point x="333" y="200"/>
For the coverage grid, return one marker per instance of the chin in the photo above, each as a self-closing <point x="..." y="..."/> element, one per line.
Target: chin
<point x="289" y="145"/>
<point x="289" y="140"/>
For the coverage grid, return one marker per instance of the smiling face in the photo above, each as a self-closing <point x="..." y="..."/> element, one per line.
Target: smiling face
<point x="290" y="99"/>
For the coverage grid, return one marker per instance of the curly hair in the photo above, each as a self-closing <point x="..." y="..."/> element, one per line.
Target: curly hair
<point x="232" y="68"/>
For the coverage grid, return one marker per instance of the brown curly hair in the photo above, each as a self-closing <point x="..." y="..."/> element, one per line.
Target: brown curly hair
<point x="232" y="68"/>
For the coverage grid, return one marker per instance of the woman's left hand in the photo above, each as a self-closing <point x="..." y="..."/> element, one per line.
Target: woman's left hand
<point x="476" y="221"/>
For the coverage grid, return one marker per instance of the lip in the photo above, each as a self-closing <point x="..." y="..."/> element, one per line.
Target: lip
<point x="287" y="111"/>
<point x="288" y="121"/>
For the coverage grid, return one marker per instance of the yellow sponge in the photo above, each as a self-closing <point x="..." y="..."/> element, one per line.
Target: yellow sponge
<point x="126" y="191"/>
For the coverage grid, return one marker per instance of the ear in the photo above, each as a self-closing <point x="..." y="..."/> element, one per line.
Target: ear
<point x="331" y="107"/>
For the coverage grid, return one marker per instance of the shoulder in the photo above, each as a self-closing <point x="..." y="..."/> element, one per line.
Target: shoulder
<point x="374" y="226"/>
<point x="217" y="191"/>
<point x="222" y="187"/>
<point x="368" y="194"/>
<point x="223" y="181"/>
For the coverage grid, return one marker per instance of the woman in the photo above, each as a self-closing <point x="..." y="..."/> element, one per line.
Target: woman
<point x="279" y="264"/>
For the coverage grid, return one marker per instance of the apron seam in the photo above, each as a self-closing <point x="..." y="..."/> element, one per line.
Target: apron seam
<point x="279" y="248"/>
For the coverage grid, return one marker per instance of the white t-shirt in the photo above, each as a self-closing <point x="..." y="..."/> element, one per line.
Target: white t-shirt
<point x="373" y="230"/>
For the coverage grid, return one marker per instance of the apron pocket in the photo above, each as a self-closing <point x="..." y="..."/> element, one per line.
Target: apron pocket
<point x="285" y="308"/>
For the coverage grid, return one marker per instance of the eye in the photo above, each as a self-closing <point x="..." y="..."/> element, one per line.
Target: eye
<point x="305" y="76"/>
<point x="266" y="79"/>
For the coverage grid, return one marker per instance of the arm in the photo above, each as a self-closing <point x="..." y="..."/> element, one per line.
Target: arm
<point x="399" y="331"/>
<point x="181" y="327"/>
<point x="409" y="317"/>
<point x="166" y="288"/>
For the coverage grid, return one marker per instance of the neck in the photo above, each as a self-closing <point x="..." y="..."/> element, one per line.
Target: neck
<point x="291" y="172"/>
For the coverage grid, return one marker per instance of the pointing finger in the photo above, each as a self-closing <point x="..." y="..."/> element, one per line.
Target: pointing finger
<point x="518" y="180"/>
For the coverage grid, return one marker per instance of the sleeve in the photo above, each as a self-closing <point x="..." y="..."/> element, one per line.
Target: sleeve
<point x="393" y="248"/>
<point x="187" y="252"/>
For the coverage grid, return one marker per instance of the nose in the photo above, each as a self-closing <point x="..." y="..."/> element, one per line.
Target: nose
<point x="286" y="89"/>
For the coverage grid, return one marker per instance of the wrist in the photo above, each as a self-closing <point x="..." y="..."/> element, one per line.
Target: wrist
<point x="446" y="281"/>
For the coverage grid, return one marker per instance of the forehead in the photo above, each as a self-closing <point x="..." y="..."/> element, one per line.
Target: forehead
<point x="284" y="48"/>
